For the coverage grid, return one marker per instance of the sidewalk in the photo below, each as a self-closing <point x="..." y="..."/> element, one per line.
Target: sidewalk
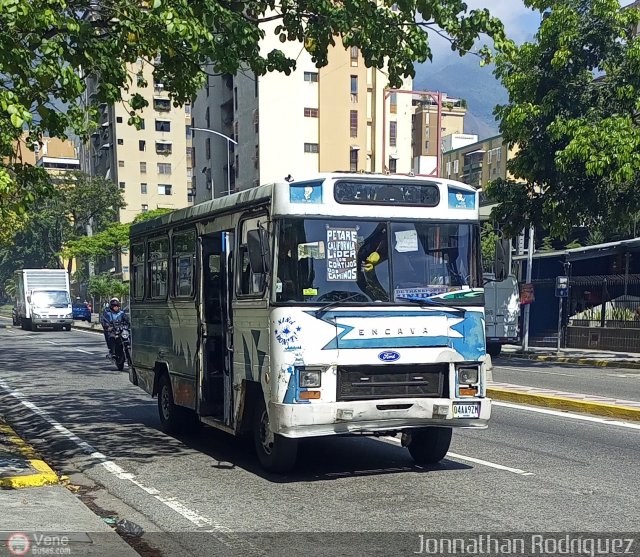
<point x="598" y="358"/>
<point x="40" y="516"/>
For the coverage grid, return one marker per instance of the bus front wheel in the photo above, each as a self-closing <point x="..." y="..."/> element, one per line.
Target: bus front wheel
<point x="276" y="453"/>
<point x="429" y="445"/>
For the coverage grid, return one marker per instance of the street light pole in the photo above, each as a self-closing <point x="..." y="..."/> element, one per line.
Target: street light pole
<point x="229" y="140"/>
<point x="527" y="308"/>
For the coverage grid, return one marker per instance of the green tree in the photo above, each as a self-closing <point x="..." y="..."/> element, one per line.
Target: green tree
<point x="574" y="103"/>
<point x="488" y="239"/>
<point x="111" y="241"/>
<point x="50" y="48"/>
<point x="547" y="244"/>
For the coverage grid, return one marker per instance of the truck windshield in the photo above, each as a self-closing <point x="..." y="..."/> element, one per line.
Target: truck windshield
<point x="50" y="298"/>
<point x="325" y="260"/>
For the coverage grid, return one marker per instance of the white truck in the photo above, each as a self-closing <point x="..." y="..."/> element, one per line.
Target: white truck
<point x="502" y="312"/>
<point x="43" y="299"/>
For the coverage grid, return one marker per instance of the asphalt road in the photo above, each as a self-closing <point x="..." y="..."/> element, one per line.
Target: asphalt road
<point x="603" y="381"/>
<point x="530" y="471"/>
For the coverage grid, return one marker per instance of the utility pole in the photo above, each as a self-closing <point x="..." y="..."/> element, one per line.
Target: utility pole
<point x="527" y="308"/>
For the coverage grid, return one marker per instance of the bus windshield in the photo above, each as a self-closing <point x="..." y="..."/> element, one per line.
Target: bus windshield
<point x="326" y="260"/>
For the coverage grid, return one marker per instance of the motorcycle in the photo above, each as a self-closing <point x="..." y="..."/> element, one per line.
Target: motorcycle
<point x="121" y="336"/>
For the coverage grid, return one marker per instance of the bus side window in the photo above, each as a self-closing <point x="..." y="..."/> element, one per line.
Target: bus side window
<point x="250" y="284"/>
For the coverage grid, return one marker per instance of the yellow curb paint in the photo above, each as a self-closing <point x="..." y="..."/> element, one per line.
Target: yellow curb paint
<point x="44" y="474"/>
<point x="562" y="403"/>
<point x="582" y="361"/>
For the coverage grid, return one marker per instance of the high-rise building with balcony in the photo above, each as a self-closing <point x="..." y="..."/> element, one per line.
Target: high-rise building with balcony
<point x="313" y="120"/>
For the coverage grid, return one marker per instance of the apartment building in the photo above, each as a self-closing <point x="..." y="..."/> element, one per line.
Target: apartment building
<point x="151" y="165"/>
<point x="275" y="127"/>
<point x="426" y="141"/>
<point x="53" y="154"/>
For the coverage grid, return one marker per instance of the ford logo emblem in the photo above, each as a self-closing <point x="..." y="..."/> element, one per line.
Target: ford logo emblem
<point x="389" y="356"/>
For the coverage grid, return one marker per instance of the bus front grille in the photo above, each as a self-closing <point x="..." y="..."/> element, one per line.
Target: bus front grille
<point x="391" y="381"/>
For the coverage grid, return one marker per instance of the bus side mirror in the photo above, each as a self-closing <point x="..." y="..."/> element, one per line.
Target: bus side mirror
<point x="503" y="259"/>
<point x="258" y="246"/>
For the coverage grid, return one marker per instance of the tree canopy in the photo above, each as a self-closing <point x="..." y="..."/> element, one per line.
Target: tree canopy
<point x="50" y="48"/>
<point x="574" y="115"/>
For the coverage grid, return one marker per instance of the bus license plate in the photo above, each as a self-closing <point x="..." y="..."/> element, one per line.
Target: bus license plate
<point x="466" y="409"/>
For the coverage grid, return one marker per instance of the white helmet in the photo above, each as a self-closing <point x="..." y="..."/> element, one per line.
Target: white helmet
<point x="114" y="302"/>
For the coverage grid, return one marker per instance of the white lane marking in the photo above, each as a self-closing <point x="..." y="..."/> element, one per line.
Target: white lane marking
<point x="569" y="415"/>
<point x="625" y="375"/>
<point x="224" y="535"/>
<point x="88" y="331"/>
<point x="84" y="351"/>
<point x="474" y="460"/>
<point x="527" y="370"/>
<point x="50" y="342"/>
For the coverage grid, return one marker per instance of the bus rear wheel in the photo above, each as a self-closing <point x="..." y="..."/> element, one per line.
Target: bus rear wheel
<point x="276" y="453"/>
<point x="429" y="445"/>
<point x="494" y="349"/>
<point x="173" y="418"/>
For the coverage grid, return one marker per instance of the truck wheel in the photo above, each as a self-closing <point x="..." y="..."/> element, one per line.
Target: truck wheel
<point x="67" y="327"/>
<point x="494" y="349"/>
<point x="32" y="325"/>
<point x="276" y="453"/>
<point x="173" y="418"/>
<point x="429" y="445"/>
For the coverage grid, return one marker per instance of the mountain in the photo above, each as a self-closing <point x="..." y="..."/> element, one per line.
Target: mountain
<point x="464" y="78"/>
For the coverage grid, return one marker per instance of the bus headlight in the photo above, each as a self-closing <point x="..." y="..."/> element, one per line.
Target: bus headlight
<point x="309" y="378"/>
<point x="468" y="375"/>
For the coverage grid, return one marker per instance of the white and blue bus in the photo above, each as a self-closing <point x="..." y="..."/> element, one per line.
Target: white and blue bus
<point x="340" y="304"/>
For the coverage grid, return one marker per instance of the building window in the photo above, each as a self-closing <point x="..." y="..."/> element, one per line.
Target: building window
<point x="144" y="207"/>
<point x="122" y="185"/>
<point x="164" y="189"/>
<point x="207" y="148"/>
<point x="499" y="154"/>
<point x="311" y="77"/>
<point x="142" y="145"/>
<point x="120" y="141"/>
<point x="455" y="166"/>
<point x="121" y="164"/>
<point x="191" y="195"/>
<point x="449" y="168"/>
<point x="393" y="103"/>
<point x="353" y="160"/>
<point x="164" y="168"/>
<point x="235" y="98"/>
<point x="353" y="123"/>
<point x="354" y="88"/>
<point x="162" y="105"/>
<point x="311" y="112"/>
<point x="187" y="109"/>
<point x="163" y="148"/>
<point x="255" y="87"/>
<point x="207" y="118"/>
<point x="354" y="53"/>
<point x="163" y="126"/>
<point x="393" y="166"/>
<point x="143" y="168"/>
<point x="142" y="123"/>
<point x="143" y="188"/>
<point x="393" y="134"/>
<point x="490" y="156"/>
<point x="311" y="148"/>
<point x="119" y="119"/>
<point x="187" y="131"/>
<point x="236" y="166"/>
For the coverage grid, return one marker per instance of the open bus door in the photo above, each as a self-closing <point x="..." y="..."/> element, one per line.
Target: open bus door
<point x="216" y="327"/>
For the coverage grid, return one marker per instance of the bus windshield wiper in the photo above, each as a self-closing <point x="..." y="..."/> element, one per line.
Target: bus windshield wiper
<point x="431" y="302"/>
<point x="321" y="311"/>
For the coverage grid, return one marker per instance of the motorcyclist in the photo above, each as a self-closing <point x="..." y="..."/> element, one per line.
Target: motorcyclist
<point x="111" y="316"/>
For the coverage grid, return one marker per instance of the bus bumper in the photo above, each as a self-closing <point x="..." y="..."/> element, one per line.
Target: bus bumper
<point x="369" y="416"/>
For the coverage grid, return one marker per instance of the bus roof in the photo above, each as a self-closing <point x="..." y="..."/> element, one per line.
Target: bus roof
<point x="305" y="197"/>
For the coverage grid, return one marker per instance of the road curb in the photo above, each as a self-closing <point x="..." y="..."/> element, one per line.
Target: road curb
<point x="44" y="474"/>
<point x="562" y="403"/>
<point x="628" y="364"/>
